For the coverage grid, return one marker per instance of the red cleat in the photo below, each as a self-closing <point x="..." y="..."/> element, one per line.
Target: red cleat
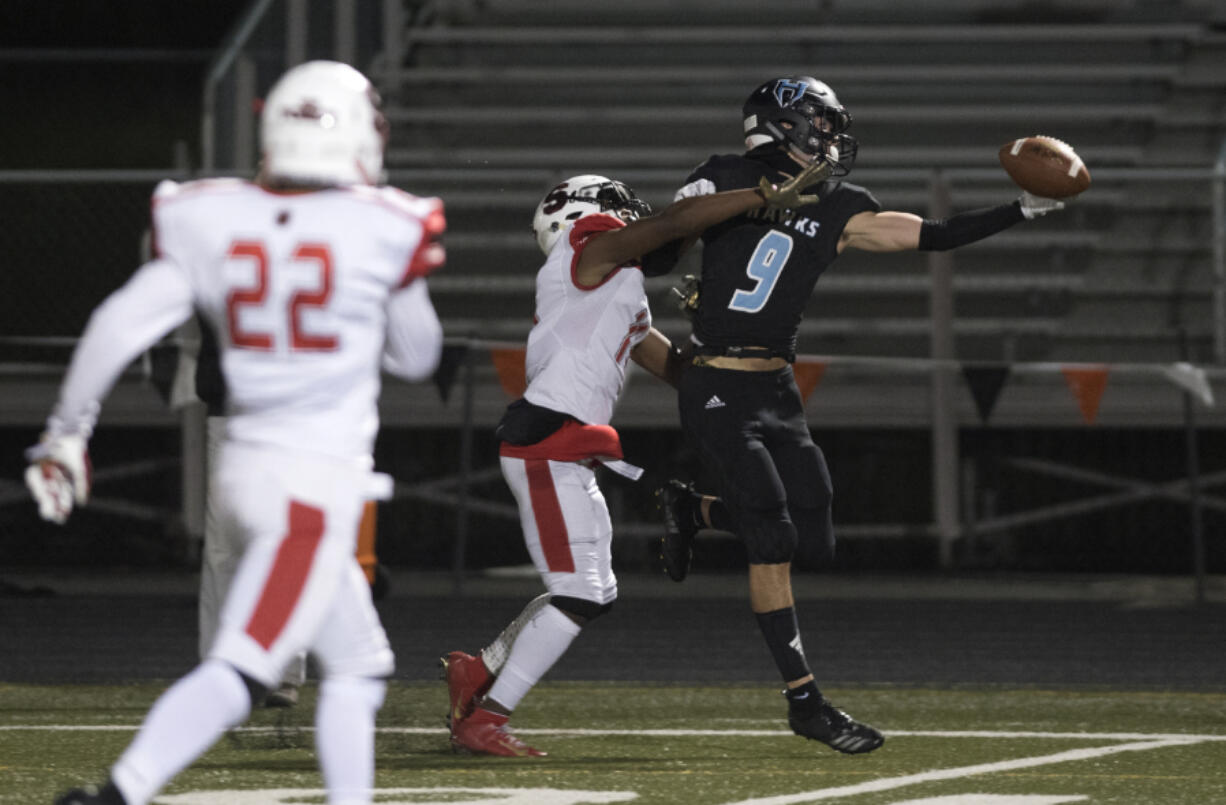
<point x="486" y="733"/>
<point x="467" y="679"/>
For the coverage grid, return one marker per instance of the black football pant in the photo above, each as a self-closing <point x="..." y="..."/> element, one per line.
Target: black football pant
<point x="772" y="476"/>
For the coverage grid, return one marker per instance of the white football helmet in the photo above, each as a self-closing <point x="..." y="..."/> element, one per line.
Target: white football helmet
<point x="321" y="124"/>
<point x="579" y="196"/>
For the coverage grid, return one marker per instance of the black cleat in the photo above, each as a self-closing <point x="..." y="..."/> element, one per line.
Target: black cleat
<point x="91" y="795"/>
<point x="676" y="501"/>
<point x="833" y="727"/>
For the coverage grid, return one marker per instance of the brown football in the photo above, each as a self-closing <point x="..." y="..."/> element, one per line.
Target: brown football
<point x="1045" y="166"/>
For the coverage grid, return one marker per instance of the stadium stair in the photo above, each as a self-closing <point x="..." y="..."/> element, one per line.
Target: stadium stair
<point x="497" y="100"/>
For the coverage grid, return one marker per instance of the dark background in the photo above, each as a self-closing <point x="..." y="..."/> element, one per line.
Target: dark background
<point x="80" y="112"/>
<point x="75" y="111"/>
<point x="878" y="632"/>
<point x="880" y="476"/>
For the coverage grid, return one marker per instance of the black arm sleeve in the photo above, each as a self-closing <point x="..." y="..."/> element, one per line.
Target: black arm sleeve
<point x="663" y="259"/>
<point x="968" y="227"/>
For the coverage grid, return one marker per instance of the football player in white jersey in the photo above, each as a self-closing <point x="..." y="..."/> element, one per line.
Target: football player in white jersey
<point x="312" y="278"/>
<point x="591" y="318"/>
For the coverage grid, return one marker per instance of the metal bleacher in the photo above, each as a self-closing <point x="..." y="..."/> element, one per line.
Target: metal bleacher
<point x="494" y="101"/>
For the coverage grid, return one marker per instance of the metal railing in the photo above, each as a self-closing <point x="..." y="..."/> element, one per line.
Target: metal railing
<point x="271" y="36"/>
<point x="1219" y="257"/>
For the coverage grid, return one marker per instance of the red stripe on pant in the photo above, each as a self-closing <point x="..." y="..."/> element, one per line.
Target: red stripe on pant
<point x="289" y="573"/>
<point x="550" y="525"/>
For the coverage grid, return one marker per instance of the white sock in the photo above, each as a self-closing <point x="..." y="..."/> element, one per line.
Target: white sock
<point x="541" y="642"/>
<point x="181" y="726"/>
<point x="345" y="737"/>
<point x="495" y="654"/>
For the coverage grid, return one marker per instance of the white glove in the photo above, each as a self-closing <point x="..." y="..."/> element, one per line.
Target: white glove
<point x="1033" y="206"/>
<point x="58" y="475"/>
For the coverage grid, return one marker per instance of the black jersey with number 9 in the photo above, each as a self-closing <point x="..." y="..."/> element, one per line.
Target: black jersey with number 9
<point x="759" y="269"/>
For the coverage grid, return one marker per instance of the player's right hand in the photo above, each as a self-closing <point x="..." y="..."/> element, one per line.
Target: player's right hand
<point x="787" y="196"/>
<point x="59" y="475"/>
<point x="1035" y="206"/>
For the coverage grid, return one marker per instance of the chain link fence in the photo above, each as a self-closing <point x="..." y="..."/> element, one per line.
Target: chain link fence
<point x="69" y="240"/>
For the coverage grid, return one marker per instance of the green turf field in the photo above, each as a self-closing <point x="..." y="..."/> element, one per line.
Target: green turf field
<point x="669" y="744"/>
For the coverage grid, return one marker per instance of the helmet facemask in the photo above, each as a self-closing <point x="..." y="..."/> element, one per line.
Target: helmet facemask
<point x="620" y="199"/>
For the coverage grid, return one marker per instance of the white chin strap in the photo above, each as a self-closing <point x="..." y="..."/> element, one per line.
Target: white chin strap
<point x="755" y="140"/>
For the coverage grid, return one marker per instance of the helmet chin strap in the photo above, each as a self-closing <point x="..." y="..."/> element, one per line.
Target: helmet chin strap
<point x="803" y="158"/>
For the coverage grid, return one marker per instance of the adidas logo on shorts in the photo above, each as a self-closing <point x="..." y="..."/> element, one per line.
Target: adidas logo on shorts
<point x="714" y="402"/>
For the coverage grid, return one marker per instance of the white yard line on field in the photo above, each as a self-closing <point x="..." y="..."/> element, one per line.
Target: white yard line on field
<point x="1129" y="742"/>
<point x="890" y="783"/>
<point x="1173" y="737"/>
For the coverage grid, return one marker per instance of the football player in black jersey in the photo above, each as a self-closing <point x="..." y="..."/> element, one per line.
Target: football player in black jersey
<point x="738" y="399"/>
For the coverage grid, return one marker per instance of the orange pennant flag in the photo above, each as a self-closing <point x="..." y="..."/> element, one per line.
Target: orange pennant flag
<point x="808" y="375"/>
<point x="1087" y="386"/>
<point x="511" y="373"/>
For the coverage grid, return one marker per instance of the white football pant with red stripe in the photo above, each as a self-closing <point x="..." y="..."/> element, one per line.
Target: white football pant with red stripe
<point x="566" y="526"/>
<point x="298" y="586"/>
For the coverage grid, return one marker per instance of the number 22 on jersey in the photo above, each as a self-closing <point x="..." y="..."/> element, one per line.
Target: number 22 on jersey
<point x="765" y="266"/>
<point x="312" y="261"/>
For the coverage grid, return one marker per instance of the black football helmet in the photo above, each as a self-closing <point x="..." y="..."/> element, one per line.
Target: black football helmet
<point x="803" y="114"/>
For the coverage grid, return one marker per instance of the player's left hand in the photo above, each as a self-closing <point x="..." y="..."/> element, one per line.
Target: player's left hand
<point x="688" y="295"/>
<point x="787" y="196"/>
<point x="1034" y="206"/>
<point x="59" y="475"/>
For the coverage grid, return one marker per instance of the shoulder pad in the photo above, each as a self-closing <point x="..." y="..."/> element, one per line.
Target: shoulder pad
<point x="848" y="190"/>
<point x="165" y="189"/>
<point x="402" y="201"/>
<point x="713" y="162"/>
<point x="715" y="166"/>
<point x="168" y="189"/>
<point x="723" y="160"/>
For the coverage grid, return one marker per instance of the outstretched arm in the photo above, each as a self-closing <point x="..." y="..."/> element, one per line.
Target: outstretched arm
<point x="881" y="232"/>
<point x="900" y="231"/>
<point x="154" y="301"/>
<point x="678" y="220"/>
<point x="688" y="217"/>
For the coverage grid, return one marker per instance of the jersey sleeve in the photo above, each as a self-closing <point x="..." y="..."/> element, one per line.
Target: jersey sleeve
<point x="179" y="232"/>
<point x="702" y="181"/>
<point x="429" y="254"/>
<point x="590" y="225"/>
<point x="153" y="302"/>
<point x="414" y="335"/>
<point x="165" y="237"/>
<point x="854" y="199"/>
<point x="411" y="228"/>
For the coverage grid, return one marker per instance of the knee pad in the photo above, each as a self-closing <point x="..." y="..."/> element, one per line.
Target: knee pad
<point x="583" y="608"/>
<point x="815" y="534"/>
<point x="768" y="540"/>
